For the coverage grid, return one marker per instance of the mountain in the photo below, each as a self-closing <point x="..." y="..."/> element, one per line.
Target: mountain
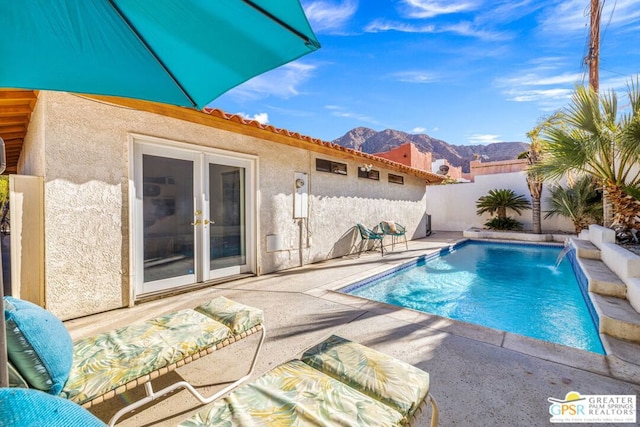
<point x="371" y="141"/>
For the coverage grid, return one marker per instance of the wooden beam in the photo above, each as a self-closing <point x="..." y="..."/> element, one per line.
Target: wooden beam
<point x="12" y="111"/>
<point x="18" y="94"/>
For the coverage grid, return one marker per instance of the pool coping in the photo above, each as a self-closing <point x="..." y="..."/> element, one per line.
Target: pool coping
<point x="613" y="364"/>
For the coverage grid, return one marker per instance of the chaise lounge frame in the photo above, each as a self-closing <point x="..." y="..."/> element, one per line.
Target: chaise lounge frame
<point x="152" y="395"/>
<point x="374" y="389"/>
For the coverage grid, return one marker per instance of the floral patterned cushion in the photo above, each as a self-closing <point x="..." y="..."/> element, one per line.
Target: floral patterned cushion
<point x="294" y="394"/>
<point x="384" y="378"/>
<point x="109" y="360"/>
<point x="237" y="317"/>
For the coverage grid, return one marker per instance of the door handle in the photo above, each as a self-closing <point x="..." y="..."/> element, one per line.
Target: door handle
<point x="197" y="222"/>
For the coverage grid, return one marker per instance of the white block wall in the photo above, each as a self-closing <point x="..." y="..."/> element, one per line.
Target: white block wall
<point x="453" y="207"/>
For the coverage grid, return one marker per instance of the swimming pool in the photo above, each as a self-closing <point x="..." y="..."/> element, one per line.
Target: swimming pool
<point x="516" y="288"/>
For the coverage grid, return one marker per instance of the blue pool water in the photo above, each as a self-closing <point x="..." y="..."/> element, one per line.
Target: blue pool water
<point x="512" y="287"/>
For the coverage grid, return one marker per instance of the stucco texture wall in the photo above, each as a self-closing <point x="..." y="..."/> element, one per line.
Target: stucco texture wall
<point x="453" y="207"/>
<point x="336" y="203"/>
<point x="86" y="148"/>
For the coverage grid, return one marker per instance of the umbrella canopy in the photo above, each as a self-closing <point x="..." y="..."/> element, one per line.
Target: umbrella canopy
<point x="180" y="52"/>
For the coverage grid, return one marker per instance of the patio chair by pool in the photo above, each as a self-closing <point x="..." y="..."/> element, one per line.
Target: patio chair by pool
<point x="337" y="382"/>
<point x="395" y="230"/>
<point x="367" y="235"/>
<point x="97" y="368"/>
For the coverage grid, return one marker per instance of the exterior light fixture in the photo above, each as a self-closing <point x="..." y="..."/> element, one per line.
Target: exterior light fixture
<point x="366" y="168"/>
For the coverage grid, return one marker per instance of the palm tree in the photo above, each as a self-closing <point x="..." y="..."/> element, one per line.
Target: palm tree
<point x="580" y="202"/>
<point x="591" y="137"/>
<point x="497" y="202"/>
<point x="534" y="179"/>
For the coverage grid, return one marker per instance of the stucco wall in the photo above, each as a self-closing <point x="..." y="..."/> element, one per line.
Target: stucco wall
<point x="453" y="207"/>
<point x="86" y="144"/>
<point x="408" y="154"/>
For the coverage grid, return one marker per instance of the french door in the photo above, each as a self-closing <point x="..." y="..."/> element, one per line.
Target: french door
<point x="193" y="215"/>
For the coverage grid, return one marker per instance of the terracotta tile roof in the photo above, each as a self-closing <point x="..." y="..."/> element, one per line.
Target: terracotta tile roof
<point x="430" y="177"/>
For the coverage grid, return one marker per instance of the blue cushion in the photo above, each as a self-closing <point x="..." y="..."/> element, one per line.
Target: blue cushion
<point x="38" y="345"/>
<point x="32" y="408"/>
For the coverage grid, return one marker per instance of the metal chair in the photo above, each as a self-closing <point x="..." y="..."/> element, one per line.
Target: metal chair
<point x="395" y="230"/>
<point x="367" y="235"/>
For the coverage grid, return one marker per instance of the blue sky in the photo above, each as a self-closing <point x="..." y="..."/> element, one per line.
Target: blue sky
<point x="464" y="71"/>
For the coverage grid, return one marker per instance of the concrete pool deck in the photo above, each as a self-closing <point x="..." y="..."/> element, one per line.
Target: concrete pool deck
<point x="479" y="376"/>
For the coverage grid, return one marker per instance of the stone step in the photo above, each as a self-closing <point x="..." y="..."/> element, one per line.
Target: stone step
<point x="623" y="358"/>
<point x="601" y="279"/>
<point x="617" y="318"/>
<point x="585" y="249"/>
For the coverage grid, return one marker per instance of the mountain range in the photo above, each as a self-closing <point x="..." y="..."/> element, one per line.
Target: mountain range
<point x="371" y="141"/>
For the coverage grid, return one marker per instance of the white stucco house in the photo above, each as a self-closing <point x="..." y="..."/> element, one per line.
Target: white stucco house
<point x="116" y="201"/>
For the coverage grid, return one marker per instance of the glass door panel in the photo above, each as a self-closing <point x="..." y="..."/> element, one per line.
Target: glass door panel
<point x="193" y="217"/>
<point x="227" y="213"/>
<point x="168" y="212"/>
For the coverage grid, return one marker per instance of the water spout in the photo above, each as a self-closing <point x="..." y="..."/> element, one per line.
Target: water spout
<point x="565" y="250"/>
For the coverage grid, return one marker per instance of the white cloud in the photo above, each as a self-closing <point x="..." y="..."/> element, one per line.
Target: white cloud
<point x="262" y="118"/>
<point x="464" y="28"/>
<point x="415" y="76"/>
<point x="468" y="29"/>
<point x="339" y="111"/>
<point x="329" y="17"/>
<point x="479" y="138"/>
<point x="573" y="16"/>
<point x="541" y="95"/>
<point x="533" y="79"/>
<point x="423" y="130"/>
<point x="380" y="25"/>
<point x="431" y="8"/>
<point x="283" y="82"/>
<point x="508" y="10"/>
<point x="543" y="84"/>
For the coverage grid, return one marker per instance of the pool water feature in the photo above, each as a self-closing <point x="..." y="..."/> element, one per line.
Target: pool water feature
<point x="516" y="288"/>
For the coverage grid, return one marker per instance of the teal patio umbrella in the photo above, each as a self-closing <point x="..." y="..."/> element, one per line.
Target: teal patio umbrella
<point x="180" y="52"/>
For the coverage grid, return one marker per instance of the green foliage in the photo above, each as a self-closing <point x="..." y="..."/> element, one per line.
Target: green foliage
<point x="448" y="180"/>
<point x="581" y="202"/>
<point x="632" y="191"/>
<point x="499" y="200"/>
<point x="587" y="136"/>
<point x="4" y="189"/>
<point x="507" y="223"/>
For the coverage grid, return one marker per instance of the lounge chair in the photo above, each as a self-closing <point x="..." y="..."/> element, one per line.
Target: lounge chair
<point x="395" y="230"/>
<point x="367" y="235"/>
<point x="337" y="382"/>
<point x="97" y="368"/>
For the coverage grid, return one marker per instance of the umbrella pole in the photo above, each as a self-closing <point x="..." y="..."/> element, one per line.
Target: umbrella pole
<point x="4" y="359"/>
<point x="4" y="368"/>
